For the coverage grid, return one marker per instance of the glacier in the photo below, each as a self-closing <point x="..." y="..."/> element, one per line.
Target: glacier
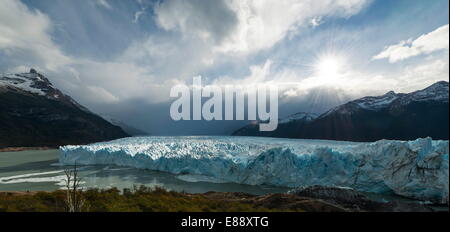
<point x="414" y="169"/>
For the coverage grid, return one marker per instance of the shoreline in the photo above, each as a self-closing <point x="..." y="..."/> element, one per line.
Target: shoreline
<point x="21" y="193"/>
<point x="278" y="202"/>
<point x="17" y="149"/>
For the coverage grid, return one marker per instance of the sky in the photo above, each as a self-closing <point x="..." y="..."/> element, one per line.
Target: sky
<point x="121" y="58"/>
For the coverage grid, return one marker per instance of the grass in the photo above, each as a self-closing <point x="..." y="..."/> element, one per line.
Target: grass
<point x="138" y="199"/>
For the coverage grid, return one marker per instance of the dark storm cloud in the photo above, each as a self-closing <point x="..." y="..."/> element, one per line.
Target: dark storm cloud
<point x="210" y="19"/>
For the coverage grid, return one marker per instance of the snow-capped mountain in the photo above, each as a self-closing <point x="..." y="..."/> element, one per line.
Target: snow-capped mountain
<point x="35" y="83"/>
<point x="35" y="113"/>
<point x="302" y="116"/>
<point x="437" y="92"/>
<point x="390" y="116"/>
<point x="30" y="82"/>
<point x="366" y="103"/>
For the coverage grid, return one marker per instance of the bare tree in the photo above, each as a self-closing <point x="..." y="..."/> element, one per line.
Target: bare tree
<point x="74" y="200"/>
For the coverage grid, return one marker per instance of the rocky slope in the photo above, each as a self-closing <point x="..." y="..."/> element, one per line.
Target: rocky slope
<point x="35" y="113"/>
<point x="399" y="116"/>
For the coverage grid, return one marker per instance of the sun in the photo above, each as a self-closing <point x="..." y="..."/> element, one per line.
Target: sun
<point x="329" y="67"/>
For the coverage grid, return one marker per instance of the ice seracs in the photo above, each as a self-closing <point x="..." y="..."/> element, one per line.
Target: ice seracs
<point x="416" y="169"/>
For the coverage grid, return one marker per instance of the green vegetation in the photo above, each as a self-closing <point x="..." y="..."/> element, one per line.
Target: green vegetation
<point x="139" y="199"/>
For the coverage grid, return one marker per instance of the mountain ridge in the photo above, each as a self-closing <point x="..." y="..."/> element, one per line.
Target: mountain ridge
<point x="35" y="113"/>
<point x="402" y="116"/>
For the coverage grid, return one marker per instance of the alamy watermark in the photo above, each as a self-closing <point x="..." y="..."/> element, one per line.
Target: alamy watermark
<point x="230" y="96"/>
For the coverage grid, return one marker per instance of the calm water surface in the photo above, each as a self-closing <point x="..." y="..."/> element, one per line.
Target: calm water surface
<point x="37" y="170"/>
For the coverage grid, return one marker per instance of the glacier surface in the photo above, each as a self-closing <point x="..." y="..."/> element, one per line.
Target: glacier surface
<point x="416" y="169"/>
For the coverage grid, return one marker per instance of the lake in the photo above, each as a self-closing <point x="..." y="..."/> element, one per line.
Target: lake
<point x="38" y="170"/>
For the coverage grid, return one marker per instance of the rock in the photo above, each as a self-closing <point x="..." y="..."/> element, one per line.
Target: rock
<point x="277" y="201"/>
<point x="356" y="201"/>
<point x="337" y="194"/>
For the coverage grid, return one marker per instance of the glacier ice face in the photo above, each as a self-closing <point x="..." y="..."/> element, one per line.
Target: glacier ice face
<point x="416" y="169"/>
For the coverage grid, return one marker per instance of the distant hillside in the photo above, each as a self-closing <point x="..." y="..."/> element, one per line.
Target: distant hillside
<point x="287" y="127"/>
<point x="133" y="131"/>
<point x="391" y="116"/>
<point x="34" y="113"/>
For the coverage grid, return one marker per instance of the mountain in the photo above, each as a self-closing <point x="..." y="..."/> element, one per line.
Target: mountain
<point x="393" y="115"/>
<point x="35" y="113"/>
<point x="125" y="127"/>
<point x="287" y="127"/>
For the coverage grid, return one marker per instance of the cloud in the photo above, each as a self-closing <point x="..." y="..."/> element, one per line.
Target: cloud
<point x="104" y="3"/>
<point x="262" y="24"/>
<point x="26" y="41"/>
<point x="425" y="44"/>
<point x="138" y="14"/>
<point x="150" y="66"/>
<point x="102" y="93"/>
<point x="316" y="21"/>
<point x="416" y="77"/>
<point x="247" y="25"/>
<point x="25" y="36"/>
<point x="210" y="20"/>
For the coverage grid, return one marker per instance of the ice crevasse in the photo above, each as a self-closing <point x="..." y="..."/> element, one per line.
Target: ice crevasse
<point x="416" y="169"/>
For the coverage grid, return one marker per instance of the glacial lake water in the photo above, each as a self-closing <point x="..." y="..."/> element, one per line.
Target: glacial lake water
<point x="38" y="170"/>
